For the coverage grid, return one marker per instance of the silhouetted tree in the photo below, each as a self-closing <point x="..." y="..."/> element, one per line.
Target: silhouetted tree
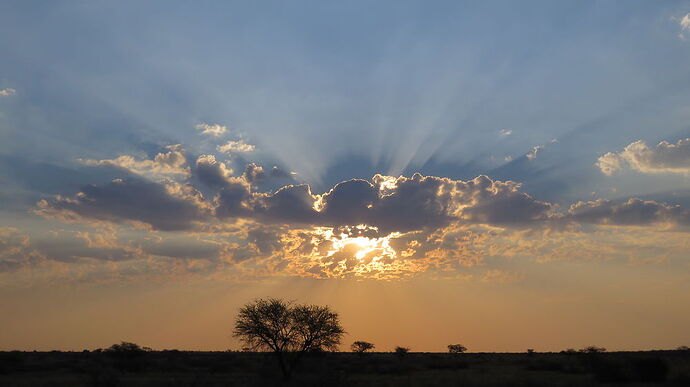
<point x="361" y="346"/>
<point x="125" y="346"/>
<point x="683" y="348"/>
<point x="592" y="349"/>
<point x="128" y="356"/>
<point x="531" y="351"/>
<point x="401" y="351"/>
<point x="456" y="348"/>
<point x="287" y="329"/>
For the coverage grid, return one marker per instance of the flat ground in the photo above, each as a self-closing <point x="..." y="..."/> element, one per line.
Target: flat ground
<point x="178" y="368"/>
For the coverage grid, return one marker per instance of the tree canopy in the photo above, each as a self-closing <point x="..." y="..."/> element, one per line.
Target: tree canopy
<point x="286" y="328"/>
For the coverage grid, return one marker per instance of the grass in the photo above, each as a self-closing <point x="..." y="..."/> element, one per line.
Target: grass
<point x="179" y="368"/>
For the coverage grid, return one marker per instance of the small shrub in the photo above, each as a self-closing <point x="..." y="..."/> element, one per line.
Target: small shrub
<point x="456" y="348"/>
<point x="683" y="348"/>
<point x="125" y="347"/>
<point x="592" y="349"/>
<point x="401" y="350"/>
<point x="361" y="346"/>
<point x="127" y="356"/>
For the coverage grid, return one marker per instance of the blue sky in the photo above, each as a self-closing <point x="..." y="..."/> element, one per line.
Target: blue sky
<point x="534" y="92"/>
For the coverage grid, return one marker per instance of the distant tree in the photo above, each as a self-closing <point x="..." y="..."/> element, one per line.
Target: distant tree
<point x="361" y="346"/>
<point x="456" y="348"/>
<point x="288" y="330"/>
<point x="128" y="356"/>
<point x="531" y="351"/>
<point x="401" y="350"/>
<point x="126" y="347"/>
<point x="569" y="351"/>
<point x="683" y="348"/>
<point x="592" y="349"/>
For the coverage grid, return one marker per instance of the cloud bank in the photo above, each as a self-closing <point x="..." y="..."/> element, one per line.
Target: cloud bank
<point x="383" y="227"/>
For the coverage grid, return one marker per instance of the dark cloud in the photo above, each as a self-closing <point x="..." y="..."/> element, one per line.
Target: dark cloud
<point x="634" y="212"/>
<point x="231" y="201"/>
<point x="210" y="172"/>
<point x="292" y="203"/>
<point x="128" y="200"/>
<point x="278" y="172"/>
<point x="497" y="202"/>
<point x="253" y="173"/>
<point x="391" y="204"/>
<point x="385" y="203"/>
<point x="71" y="249"/>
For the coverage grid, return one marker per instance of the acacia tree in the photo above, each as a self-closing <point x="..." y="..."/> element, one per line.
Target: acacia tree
<point x="288" y="330"/>
<point x="361" y="346"/>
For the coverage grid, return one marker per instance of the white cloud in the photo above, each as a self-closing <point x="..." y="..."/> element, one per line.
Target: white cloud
<point x="505" y="132"/>
<point x="533" y="153"/>
<point x="684" y="23"/>
<point x="213" y="130"/>
<point x="236" y="146"/>
<point x="168" y="163"/>
<point x="7" y="92"/>
<point x="665" y="157"/>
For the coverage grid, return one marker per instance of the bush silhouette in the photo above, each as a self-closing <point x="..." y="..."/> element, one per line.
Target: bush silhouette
<point x="125" y="347"/>
<point x="401" y="350"/>
<point x="288" y="330"/>
<point x="456" y="348"/>
<point x="127" y="356"/>
<point x="592" y="349"/>
<point x="361" y="346"/>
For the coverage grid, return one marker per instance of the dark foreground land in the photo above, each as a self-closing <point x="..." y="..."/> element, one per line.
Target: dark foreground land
<point x="177" y="368"/>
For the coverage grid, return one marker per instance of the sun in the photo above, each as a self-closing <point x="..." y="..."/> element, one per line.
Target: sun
<point x="365" y="246"/>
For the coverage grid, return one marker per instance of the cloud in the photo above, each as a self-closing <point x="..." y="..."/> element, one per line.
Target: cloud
<point x="171" y="162"/>
<point x="74" y="246"/>
<point x="213" y="130"/>
<point x="665" y="157"/>
<point x="212" y="173"/>
<point x="390" y="204"/>
<point x="254" y="173"/>
<point x="7" y="92"/>
<point x="235" y="146"/>
<point x="633" y="212"/>
<point x="684" y="24"/>
<point x="278" y="172"/>
<point x="505" y="132"/>
<point x="15" y="250"/>
<point x="502" y="276"/>
<point x="162" y="207"/>
<point x="533" y="153"/>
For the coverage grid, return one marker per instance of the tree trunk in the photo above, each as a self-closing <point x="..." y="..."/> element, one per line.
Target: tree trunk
<point x="283" y="365"/>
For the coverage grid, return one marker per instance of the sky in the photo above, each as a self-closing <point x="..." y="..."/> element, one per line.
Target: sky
<point x="505" y="175"/>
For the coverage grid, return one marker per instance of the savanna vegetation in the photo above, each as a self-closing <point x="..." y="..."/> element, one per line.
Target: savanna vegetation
<point x="296" y="345"/>
<point x="182" y="368"/>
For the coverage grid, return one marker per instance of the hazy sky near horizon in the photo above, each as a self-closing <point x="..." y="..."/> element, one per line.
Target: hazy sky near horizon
<point x="499" y="174"/>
